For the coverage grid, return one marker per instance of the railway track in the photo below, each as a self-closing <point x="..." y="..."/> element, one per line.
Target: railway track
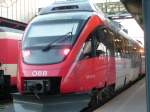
<point x="2" y="107"/>
<point x="4" y="103"/>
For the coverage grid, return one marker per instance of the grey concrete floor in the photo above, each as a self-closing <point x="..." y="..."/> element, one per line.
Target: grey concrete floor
<point x="131" y="100"/>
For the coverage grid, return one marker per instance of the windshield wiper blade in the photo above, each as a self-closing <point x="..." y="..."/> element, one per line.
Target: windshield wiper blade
<point x="49" y="46"/>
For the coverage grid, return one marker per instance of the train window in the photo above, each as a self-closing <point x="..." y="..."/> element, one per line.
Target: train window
<point x="101" y="49"/>
<point x="104" y="42"/>
<point x="87" y="48"/>
<point x="130" y="45"/>
<point x="46" y="44"/>
<point x="52" y="29"/>
<point x="56" y="32"/>
<point x="100" y="46"/>
<point x="101" y="39"/>
<point x="109" y="43"/>
<point x="126" y="48"/>
<point x="119" y="47"/>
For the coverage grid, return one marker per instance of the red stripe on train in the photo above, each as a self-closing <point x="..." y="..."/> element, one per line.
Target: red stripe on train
<point x="9" y="51"/>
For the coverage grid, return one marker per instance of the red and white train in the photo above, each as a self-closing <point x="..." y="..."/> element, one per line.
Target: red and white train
<point x="9" y="50"/>
<point x="72" y="48"/>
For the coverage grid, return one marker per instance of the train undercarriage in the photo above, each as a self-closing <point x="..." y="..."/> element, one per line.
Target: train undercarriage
<point x="75" y="102"/>
<point x="4" y="84"/>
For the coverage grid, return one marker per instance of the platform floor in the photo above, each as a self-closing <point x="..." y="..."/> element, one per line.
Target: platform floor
<point x="131" y="100"/>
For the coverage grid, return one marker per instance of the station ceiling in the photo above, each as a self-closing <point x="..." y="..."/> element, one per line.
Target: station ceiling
<point x="135" y="8"/>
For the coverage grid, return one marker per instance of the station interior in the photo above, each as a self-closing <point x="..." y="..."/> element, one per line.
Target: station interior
<point x="132" y="16"/>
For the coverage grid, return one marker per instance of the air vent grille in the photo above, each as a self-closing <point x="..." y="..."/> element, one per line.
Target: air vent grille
<point x="65" y="7"/>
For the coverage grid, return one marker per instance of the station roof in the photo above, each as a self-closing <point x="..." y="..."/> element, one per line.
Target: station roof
<point x="135" y="8"/>
<point x="12" y="24"/>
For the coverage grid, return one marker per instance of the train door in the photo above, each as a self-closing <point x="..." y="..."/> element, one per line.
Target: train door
<point x="111" y="73"/>
<point x="104" y="64"/>
<point x="135" y="62"/>
<point x="100" y="58"/>
<point x="96" y="66"/>
<point x="84" y="68"/>
<point x="121" y="62"/>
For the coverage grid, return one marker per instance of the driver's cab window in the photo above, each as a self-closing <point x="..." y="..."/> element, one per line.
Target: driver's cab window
<point x="87" y="49"/>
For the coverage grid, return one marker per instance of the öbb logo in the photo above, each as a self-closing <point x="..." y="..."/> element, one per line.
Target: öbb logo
<point x="39" y="73"/>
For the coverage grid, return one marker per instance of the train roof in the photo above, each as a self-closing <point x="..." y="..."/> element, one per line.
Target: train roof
<point x="59" y="16"/>
<point x="119" y="29"/>
<point x="125" y="35"/>
<point x="70" y="5"/>
<point x="79" y="9"/>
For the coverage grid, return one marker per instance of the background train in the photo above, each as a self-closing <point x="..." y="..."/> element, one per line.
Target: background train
<point x="72" y="48"/>
<point x="9" y="50"/>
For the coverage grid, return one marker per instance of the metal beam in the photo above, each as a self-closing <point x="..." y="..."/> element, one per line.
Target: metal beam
<point x="12" y="23"/>
<point x="134" y="6"/>
<point x="146" y="9"/>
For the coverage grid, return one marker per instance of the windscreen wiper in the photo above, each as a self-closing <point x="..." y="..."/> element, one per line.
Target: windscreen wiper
<point x="49" y="46"/>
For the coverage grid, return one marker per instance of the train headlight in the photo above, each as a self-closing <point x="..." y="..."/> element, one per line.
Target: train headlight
<point x="26" y="53"/>
<point x="66" y="51"/>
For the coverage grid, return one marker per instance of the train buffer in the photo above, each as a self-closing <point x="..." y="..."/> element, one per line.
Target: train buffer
<point x="56" y="103"/>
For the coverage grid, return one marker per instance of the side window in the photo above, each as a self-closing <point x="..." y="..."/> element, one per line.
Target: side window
<point x="110" y="35"/>
<point x="119" y="49"/>
<point x="101" y="49"/>
<point x="130" y="45"/>
<point x="100" y="44"/>
<point x="87" y="48"/>
<point x="105" y="42"/>
<point x="125" y="48"/>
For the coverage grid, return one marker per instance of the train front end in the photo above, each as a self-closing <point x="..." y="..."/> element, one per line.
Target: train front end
<point x="52" y="46"/>
<point x="47" y="53"/>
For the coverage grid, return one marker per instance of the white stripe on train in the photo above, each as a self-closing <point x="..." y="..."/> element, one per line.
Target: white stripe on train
<point x="10" y="35"/>
<point x="10" y="69"/>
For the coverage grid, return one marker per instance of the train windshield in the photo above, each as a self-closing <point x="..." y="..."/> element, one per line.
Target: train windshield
<point x="52" y="30"/>
<point x="48" y="42"/>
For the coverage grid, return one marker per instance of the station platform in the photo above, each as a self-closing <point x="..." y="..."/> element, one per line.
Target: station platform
<point x="131" y="100"/>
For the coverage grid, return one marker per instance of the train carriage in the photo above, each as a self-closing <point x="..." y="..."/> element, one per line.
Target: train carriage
<point x="9" y="50"/>
<point x="72" y="48"/>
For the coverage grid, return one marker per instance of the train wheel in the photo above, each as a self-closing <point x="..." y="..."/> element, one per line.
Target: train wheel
<point x="96" y="97"/>
<point x="108" y="92"/>
<point x="112" y="90"/>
